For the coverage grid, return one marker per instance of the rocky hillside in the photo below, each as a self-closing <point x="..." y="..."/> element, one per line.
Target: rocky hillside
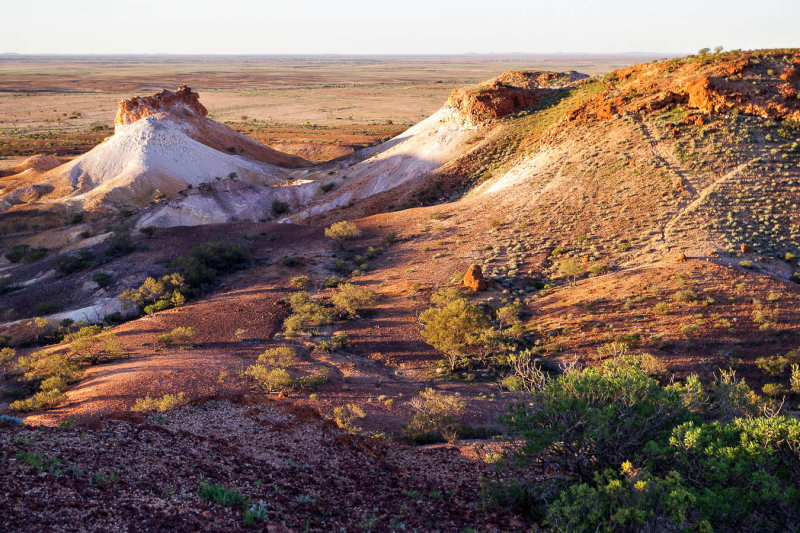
<point x="652" y="210"/>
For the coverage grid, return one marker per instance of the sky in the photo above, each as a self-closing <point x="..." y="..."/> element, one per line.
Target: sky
<point x="400" y="27"/>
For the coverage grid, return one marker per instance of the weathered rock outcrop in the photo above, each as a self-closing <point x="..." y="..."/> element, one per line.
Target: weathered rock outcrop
<point x="507" y="93"/>
<point x="138" y="107"/>
<point x="760" y="83"/>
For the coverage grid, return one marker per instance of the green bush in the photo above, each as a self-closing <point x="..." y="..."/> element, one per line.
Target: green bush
<point x="45" y="363"/>
<point x="300" y="282"/>
<point x="102" y="279"/>
<point x="271" y="379"/>
<point x="434" y="412"/>
<point x="631" y="455"/>
<point x="333" y="282"/>
<point x="69" y="263"/>
<point x="42" y="400"/>
<point x="349" y="299"/>
<point x="453" y="326"/>
<point x="346" y="415"/>
<point x="163" y="404"/>
<point x="204" y="263"/>
<point x="119" y="243"/>
<point x="279" y="208"/>
<point x="307" y="313"/>
<point x="280" y="357"/>
<point x="221" y="495"/>
<point x="685" y="295"/>
<point x="744" y="475"/>
<point x="599" y="417"/>
<point x="8" y="358"/>
<point x="627" y="501"/>
<point x="90" y="344"/>
<point x="26" y="254"/>
<point x="342" y="231"/>
<point x="156" y="295"/>
<point x="312" y="382"/>
<point x="181" y="336"/>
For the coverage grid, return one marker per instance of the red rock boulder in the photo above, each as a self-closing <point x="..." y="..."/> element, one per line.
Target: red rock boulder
<point x="474" y="279"/>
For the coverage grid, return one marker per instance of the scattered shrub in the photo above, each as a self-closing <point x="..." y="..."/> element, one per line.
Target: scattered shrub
<point x="156" y="295"/>
<point x="26" y="254"/>
<point x="163" y="404"/>
<point x="272" y="380"/>
<point x="69" y="263"/>
<point x="204" y="263"/>
<point x="119" y="243"/>
<point x="345" y="416"/>
<point x="349" y="299"/>
<point x="307" y="313"/>
<point x="435" y="412"/>
<point x="685" y="295"/>
<point x="661" y="308"/>
<point x="45" y="363"/>
<point x="773" y="389"/>
<point x="280" y="357"/>
<point x="300" y="282"/>
<point x="181" y="336"/>
<point x="221" y="495"/>
<point x="279" y="208"/>
<point x="8" y="358"/>
<point x="340" y="340"/>
<point x="102" y="279"/>
<point x="42" y="400"/>
<point x="342" y="231"/>
<point x="570" y="269"/>
<point x="333" y="282"/>
<point x="312" y="382"/>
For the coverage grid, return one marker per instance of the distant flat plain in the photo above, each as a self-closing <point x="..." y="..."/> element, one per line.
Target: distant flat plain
<point x="64" y="104"/>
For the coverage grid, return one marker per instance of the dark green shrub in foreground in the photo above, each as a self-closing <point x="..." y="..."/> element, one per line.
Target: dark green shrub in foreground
<point x="627" y="454"/>
<point x="597" y="418"/>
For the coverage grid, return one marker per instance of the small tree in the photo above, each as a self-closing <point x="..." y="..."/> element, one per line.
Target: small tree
<point x="452" y="325"/>
<point x="156" y="295"/>
<point x="90" y="345"/>
<point x="703" y="51"/>
<point x="348" y="299"/>
<point x="718" y="49"/>
<point x="342" y="231"/>
<point x="571" y="269"/>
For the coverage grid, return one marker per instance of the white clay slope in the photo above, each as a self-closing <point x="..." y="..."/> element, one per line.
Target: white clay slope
<point x="151" y="155"/>
<point x="414" y="153"/>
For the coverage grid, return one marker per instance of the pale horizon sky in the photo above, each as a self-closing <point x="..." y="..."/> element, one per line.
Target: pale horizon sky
<point x="405" y="27"/>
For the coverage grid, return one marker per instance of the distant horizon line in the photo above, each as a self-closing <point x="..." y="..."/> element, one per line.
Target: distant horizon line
<point x="316" y="54"/>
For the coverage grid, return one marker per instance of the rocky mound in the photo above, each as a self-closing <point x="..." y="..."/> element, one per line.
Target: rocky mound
<point x="507" y="93"/>
<point x="138" y="107"/>
<point x="162" y="144"/>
